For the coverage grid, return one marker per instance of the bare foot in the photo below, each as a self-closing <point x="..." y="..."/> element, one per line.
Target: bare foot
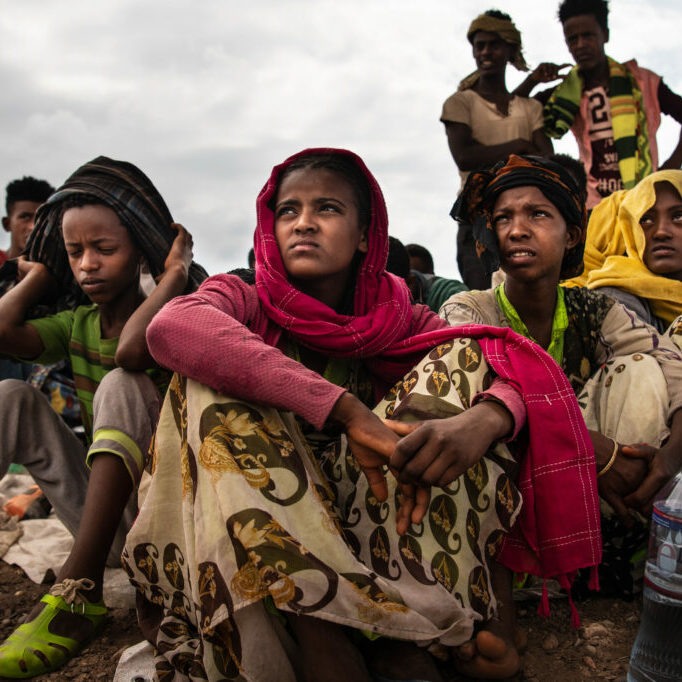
<point x="493" y="654"/>
<point x="399" y="660"/>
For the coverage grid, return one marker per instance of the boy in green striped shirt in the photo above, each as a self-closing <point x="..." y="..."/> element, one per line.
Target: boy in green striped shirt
<point x="106" y="213"/>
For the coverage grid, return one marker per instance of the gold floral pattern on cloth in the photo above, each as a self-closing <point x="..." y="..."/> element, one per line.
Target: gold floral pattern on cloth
<point x="264" y="515"/>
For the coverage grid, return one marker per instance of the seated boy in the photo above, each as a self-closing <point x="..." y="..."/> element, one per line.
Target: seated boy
<point x="22" y="199"/>
<point x="91" y="239"/>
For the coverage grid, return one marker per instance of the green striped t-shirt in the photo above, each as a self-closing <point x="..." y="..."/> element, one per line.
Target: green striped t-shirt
<point x="76" y="334"/>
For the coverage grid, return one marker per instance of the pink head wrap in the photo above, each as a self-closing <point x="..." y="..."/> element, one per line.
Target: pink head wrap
<point x="382" y="302"/>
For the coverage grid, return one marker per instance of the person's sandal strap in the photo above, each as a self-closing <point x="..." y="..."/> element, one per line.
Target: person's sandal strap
<point x="32" y="649"/>
<point x="85" y="608"/>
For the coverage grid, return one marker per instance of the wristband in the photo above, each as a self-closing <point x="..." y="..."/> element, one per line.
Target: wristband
<point x="609" y="464"/>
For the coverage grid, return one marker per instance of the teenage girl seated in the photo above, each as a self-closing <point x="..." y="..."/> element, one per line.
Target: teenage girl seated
<point x="633" y="250"/>
<point x="529" y="219"/>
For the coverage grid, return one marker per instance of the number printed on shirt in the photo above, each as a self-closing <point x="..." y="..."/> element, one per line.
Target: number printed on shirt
<point x="599" y="107"/>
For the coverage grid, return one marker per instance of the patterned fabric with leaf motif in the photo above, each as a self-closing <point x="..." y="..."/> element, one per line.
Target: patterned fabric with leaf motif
<point x="242" y="513"/>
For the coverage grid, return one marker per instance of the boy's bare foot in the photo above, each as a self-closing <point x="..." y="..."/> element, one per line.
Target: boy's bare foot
<point x="493" y="654"/>
<point x="399" y="660"/>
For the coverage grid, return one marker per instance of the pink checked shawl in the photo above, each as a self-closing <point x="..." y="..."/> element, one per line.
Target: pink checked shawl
<point x="559" y="527"/>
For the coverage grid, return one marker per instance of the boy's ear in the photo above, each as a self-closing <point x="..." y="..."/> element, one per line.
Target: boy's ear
<point x="572" y="236"/>
<point x="5" y="223"/>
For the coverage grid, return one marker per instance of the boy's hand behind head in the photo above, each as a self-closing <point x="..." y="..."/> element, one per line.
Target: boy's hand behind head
<point x="180" y="254"/>
<point x="36" y="269"/>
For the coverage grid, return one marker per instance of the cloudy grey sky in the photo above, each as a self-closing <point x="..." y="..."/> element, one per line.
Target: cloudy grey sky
<point x="207" y="96"/>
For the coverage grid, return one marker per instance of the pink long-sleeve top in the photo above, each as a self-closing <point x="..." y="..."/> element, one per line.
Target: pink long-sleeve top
<point x="221" y="337"/>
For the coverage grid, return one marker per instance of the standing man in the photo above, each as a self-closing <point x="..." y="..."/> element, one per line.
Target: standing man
<point x="484" y="122"/>
<point x="22" y="201"/>
<point x="612" y="109"/>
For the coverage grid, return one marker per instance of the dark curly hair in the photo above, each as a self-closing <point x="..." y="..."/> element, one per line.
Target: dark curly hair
<point x="597" y="8"/>
<point x="496" y="14"/>
<point x="27" y="189"/>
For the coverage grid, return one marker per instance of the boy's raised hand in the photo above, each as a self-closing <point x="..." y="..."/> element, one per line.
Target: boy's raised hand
<point x="35" y="282"/>
<point x="543" y="73"/>
<point x="39" y="270"/>
<point x="132" y="352"/>
<point x="180" y="254"/>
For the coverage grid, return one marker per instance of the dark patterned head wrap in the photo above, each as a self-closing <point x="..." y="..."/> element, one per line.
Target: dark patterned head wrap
<point x="475" y="204"/>
<point x="131" y="195"/>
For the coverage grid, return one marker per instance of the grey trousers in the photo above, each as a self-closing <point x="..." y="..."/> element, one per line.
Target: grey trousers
<point x="32" y="434"/>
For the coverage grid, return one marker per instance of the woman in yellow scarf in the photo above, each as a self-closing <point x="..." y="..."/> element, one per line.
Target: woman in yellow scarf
<point x="633" y="251"/>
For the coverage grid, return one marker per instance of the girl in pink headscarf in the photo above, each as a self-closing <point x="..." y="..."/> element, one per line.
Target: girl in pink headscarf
<point x="262" y="552"/>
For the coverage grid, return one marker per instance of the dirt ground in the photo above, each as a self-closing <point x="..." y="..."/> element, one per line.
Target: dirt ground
<point x="600" y="650"/>
<point x="556" y="652"/>
<point x="98" y="661"/>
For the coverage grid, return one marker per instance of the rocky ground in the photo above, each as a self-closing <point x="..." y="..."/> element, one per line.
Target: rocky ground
<point x="556" y="652"/>
<point x="600" y="650"/>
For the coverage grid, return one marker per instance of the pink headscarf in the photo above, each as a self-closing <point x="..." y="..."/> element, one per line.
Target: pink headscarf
<point x="382" y="302"/>
<point x="559" y="526"/>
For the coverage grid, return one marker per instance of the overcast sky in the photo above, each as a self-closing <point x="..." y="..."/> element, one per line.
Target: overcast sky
<point x="207" y="96"/>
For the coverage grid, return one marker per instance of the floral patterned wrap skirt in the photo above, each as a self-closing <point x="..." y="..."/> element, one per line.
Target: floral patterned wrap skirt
<point x="246" y="519"/>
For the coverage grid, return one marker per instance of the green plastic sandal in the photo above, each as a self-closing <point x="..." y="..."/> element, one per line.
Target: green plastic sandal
<point x="32" y="649"/>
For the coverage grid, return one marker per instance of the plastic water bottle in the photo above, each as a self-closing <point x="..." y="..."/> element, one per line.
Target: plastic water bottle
<point x="657" y="653"/>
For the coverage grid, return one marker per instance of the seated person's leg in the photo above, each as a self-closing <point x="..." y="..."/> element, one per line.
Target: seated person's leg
<point x="627" y="400"/>
<point x="125" y="409"/>
<point x="56" y="383"/>
<point x="494" y="652"/>
<point x="33" y="435"/>
<point x="284" y="521"/>
<point x="426" y="393"/>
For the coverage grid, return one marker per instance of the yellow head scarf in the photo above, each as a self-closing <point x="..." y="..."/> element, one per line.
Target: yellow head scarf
<point x="613" y="231"/>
